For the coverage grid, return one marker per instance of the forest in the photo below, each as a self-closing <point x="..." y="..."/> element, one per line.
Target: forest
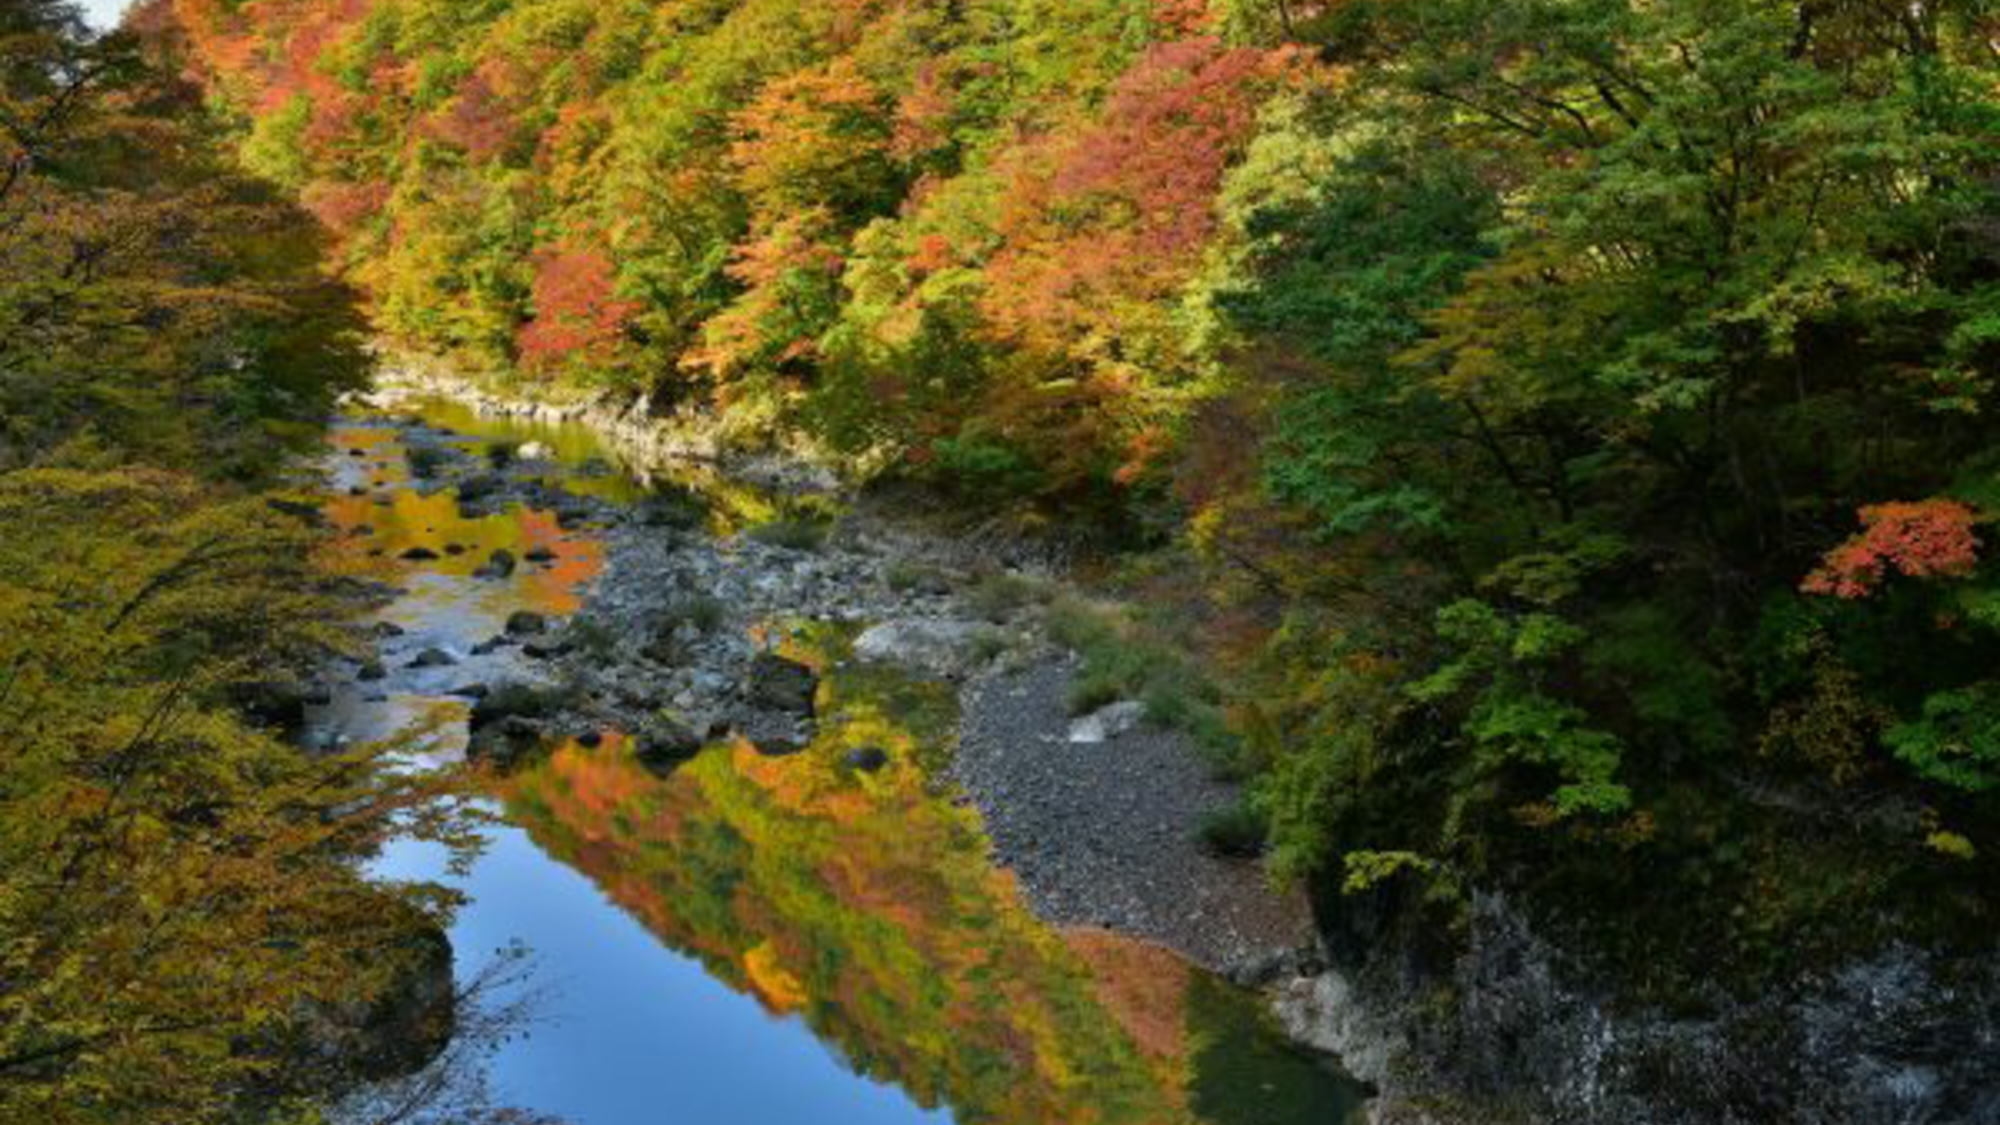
<point x="1559" y="431"/>
<point x="1576" y="412"/>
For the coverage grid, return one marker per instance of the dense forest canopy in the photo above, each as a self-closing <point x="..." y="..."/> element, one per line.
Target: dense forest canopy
<point x="1580" y="409"/>
<point x="183" y="931"/>
<point x="1566" y="425"/>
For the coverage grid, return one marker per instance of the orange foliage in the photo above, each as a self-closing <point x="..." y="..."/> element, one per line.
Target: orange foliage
<point x="1121" y="211"/>
<point x="577" y="310"/>
<point x="1921" y="539"/>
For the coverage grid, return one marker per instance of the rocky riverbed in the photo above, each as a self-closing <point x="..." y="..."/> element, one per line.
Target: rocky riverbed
<point x="680" y="641"/>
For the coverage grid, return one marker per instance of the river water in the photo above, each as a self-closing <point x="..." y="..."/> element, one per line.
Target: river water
<point x="761" y="941"/>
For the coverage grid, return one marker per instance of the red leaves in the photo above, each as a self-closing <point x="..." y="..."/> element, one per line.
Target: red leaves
<point x="815" y="137"/>
<point x="1121" y="210"/>
<point x="479" y="120"/>
<point x="1920" y="539"/>
<point x="577" y="310"/>
<point x="345" y="208"/>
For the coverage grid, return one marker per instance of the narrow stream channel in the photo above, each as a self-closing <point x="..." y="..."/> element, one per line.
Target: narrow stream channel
<point x="753" y="940"/>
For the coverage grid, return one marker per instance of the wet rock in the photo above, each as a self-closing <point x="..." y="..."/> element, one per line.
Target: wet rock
<point x="547" y="650"/>
<point x="434" y="658"/>
<point x="419" y="554"/>
<point x="590" y="739"/>
<point x="539" y="554"/>
<point x="945" y="648"/>
<point x="507" y="742"/>
<point x="663" y="744"/>
<point x="485" y="486"/>
<point x="472" y="691"/>
<point x="1107" y="723"/>
<point x="489" y="647"/>
<point x="500" y="564"/>
<point x="386" y="629"/>
<point x="454" y="549"/>
<point x="517" y="701"/>
<point x="867" y="759"/>
<point x="371" y="672"/>
<point x="523" y="623"/>
<point x="782" y="685"/>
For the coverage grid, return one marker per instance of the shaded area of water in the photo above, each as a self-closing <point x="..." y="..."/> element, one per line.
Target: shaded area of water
<point x="769" y="941"/>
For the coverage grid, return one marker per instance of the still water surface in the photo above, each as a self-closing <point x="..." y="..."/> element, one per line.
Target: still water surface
<point x="759" y="941"/>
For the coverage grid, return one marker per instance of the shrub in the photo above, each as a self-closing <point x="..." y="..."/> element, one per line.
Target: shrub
<point x="792" y="533"/>
<point x="1235" y="831"/>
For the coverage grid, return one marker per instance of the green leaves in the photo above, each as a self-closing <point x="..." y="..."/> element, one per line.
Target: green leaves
<point x="1498" y="665"/>
<point x="1955" y="739"/>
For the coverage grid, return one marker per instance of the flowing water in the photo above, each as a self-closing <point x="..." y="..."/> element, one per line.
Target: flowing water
<point x="765" y="941"/>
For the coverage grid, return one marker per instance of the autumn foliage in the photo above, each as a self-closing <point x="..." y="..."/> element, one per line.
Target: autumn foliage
<point x="1924" y="539"/>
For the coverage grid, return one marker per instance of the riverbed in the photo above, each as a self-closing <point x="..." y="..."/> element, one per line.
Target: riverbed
<point x="818" y="935"/>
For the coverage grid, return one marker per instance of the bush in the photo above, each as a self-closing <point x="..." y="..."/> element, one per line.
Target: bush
<point x="998" y="596"/>
<point x="792" y="533"/>
<point x="1235" y="831"/>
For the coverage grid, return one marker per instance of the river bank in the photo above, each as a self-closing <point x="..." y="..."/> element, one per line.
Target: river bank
<point x="1101" y="831"/>
<point x="670" y="647"/>
<point x="1487" y="1023"/>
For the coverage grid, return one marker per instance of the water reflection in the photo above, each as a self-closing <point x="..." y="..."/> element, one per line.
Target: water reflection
<point x="866" y="905"/>
<point x="770" y="941"/>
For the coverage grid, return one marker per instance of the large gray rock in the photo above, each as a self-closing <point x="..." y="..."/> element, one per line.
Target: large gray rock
<point x="937" y="647"/>
<point x="1107" y="723"/>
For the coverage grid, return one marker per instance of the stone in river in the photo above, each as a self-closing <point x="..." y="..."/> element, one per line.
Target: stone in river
<point x="540" y="555"/>
<point x="434" y="658"/>
<point x="524" y="622"/>
<point x="499" y="565"/>
<point x="419" y="554"/>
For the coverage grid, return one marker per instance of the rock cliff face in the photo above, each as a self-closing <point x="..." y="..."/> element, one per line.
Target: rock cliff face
<point x="1495" y="1029"/>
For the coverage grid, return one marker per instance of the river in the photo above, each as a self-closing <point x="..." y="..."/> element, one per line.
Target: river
<point x="758" y="940"/>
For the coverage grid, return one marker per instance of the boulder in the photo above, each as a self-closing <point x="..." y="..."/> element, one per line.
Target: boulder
<point x="517" y="700"/>
<point x="418" y="554"/>
<point x="939" y="647"/>
<point x="500" y="564"/>
<point x="506" y="742"/>
<point x="525" y="623"/>
<point x="434" y="658"/>
<point x="539" y="554"/>
<point x="372" y="671"/>
<point x="534" y="451"/>
<point x="1107" y="723"/>
<point x="782" y="685"/>
<point x="663" y="744"/>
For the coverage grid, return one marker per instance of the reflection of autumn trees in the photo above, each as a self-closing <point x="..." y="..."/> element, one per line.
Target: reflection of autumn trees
<point x="867" y="906"/>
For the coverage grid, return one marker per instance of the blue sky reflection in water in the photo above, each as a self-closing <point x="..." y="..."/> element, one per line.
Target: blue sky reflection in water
<point x="631" y="1033"/>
